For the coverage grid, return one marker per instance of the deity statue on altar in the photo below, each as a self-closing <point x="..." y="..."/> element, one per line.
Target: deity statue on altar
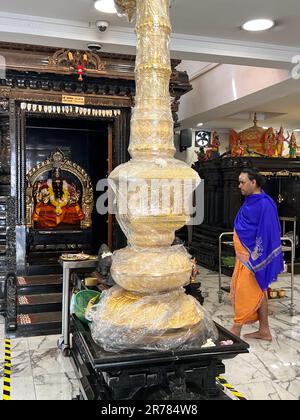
<point x="237" y="147"/>
<point x="293" y="147"/>
<point x="59" y="193"/>
<point x="270" y="143"/>
<point x="280" y="139"/>
<point x="57" y="202"/>
<point x="201" y="155"/>
<point x="212" y="151"/>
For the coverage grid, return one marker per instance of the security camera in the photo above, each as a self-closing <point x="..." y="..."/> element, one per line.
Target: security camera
<point x="94" y="47"/>
<point x="102" y="25"/>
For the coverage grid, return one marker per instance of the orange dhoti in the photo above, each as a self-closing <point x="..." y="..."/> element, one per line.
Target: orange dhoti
<point x="246" y="294"/>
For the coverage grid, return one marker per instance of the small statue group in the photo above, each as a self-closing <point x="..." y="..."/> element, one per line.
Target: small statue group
<point x="212" y="150"/>
<point x="201" y="155"/>
<point x="290" y="139"/>
<point x="293" y="146"/>
<point x="273" y="144"/>
<point x="237" y="148"/>
<point x="270" y="142"/>
<point x="280" y="139"/>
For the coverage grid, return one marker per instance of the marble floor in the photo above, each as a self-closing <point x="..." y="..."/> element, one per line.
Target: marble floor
<point x="271" y="371"/>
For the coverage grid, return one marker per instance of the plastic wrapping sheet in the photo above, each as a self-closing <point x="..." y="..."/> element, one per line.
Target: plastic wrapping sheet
<point x="153" y="270"/>
<point x="157" y="168"/>
<point x="154" y="199"/>
<point x="152" y="121"/>
<point x="168" y="321"/>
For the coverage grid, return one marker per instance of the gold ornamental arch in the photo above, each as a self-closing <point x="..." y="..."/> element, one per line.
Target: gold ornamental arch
<point x="58" y="160"/>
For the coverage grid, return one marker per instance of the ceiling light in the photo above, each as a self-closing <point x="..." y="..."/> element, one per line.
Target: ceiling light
<point x="258" y="25"/>
<point x="199" y="125"/>
<point x="105" y="6"/>
<point x="297" y="129"/>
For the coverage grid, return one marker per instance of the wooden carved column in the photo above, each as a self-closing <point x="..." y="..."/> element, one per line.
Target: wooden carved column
<point x="149" y="308"/>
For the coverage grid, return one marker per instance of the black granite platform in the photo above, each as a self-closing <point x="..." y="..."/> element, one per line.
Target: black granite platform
<point x="150" y="375"/>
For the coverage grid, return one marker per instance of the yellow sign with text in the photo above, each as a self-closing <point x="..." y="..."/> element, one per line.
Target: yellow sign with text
<point x="73" y="100"/>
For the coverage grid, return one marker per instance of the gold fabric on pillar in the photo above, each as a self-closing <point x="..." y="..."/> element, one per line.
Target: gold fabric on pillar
<point x="149" y="308"/>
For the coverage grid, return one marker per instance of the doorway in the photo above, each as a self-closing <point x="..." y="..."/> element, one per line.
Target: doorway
<point x="85" y="142"/>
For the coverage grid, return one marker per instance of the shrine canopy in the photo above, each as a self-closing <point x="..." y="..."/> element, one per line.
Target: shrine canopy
<point x="254" y="139"/>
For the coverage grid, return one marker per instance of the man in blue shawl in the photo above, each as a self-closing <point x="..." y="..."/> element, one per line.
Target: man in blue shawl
<point x="259" y="257"/>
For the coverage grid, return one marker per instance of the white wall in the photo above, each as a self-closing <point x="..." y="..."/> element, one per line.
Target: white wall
<point x="224" y="84"/>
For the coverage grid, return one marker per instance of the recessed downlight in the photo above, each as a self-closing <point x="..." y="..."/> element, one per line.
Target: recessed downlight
<point x="258" y="25"/>
<point x="105" y="6"/>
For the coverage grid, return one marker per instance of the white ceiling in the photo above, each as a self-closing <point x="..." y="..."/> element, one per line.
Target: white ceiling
<point x="207" y="31"/>
<point x="213" y="18"/>
<point x="203" y="30"/>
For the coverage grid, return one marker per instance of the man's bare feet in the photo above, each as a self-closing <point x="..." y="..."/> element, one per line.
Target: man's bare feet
<point x="236" y="330"/>
<point x="259" y="336"/>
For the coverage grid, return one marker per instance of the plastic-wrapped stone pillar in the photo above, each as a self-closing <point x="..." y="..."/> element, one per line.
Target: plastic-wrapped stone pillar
<point x="148" y="308"/>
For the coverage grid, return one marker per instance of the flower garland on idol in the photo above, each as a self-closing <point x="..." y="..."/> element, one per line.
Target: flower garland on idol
<point x="61" y="202"/>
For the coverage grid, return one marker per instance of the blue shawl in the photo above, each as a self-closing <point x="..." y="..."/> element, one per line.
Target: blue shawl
<point x="258" y="228"/>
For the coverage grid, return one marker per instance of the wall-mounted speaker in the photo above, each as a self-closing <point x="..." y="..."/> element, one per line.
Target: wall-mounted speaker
<point x="186" y="139"/>
<point x="177" y="140"/>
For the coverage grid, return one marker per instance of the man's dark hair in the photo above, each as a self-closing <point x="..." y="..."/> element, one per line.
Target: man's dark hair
<point x="253" y="173"/>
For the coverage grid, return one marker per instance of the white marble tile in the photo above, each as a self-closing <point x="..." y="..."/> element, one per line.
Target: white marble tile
<point x="2" y="332"/>
<point x="22" y="388"/>
<point x="43" y="342"/>
<point x="49" y="362"/>
<point x="264" y="391"/>
<point x="272" y="365"/>
<point x="270" y="370"/>
<point x="20" y="364"/>
<point x="292" y="387"/>
<point x="239" y="371"/>
<point x="62" y="386"/>
<point x="19" y="345"/>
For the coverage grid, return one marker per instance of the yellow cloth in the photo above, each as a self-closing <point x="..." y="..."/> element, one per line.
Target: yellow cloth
<point x="246" y="294"/>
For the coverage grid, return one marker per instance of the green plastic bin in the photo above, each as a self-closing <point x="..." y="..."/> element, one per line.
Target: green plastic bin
<point x="81" y="301"/>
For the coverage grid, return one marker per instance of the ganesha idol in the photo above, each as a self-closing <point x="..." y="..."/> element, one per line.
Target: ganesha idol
<point x="57" y="203"/>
